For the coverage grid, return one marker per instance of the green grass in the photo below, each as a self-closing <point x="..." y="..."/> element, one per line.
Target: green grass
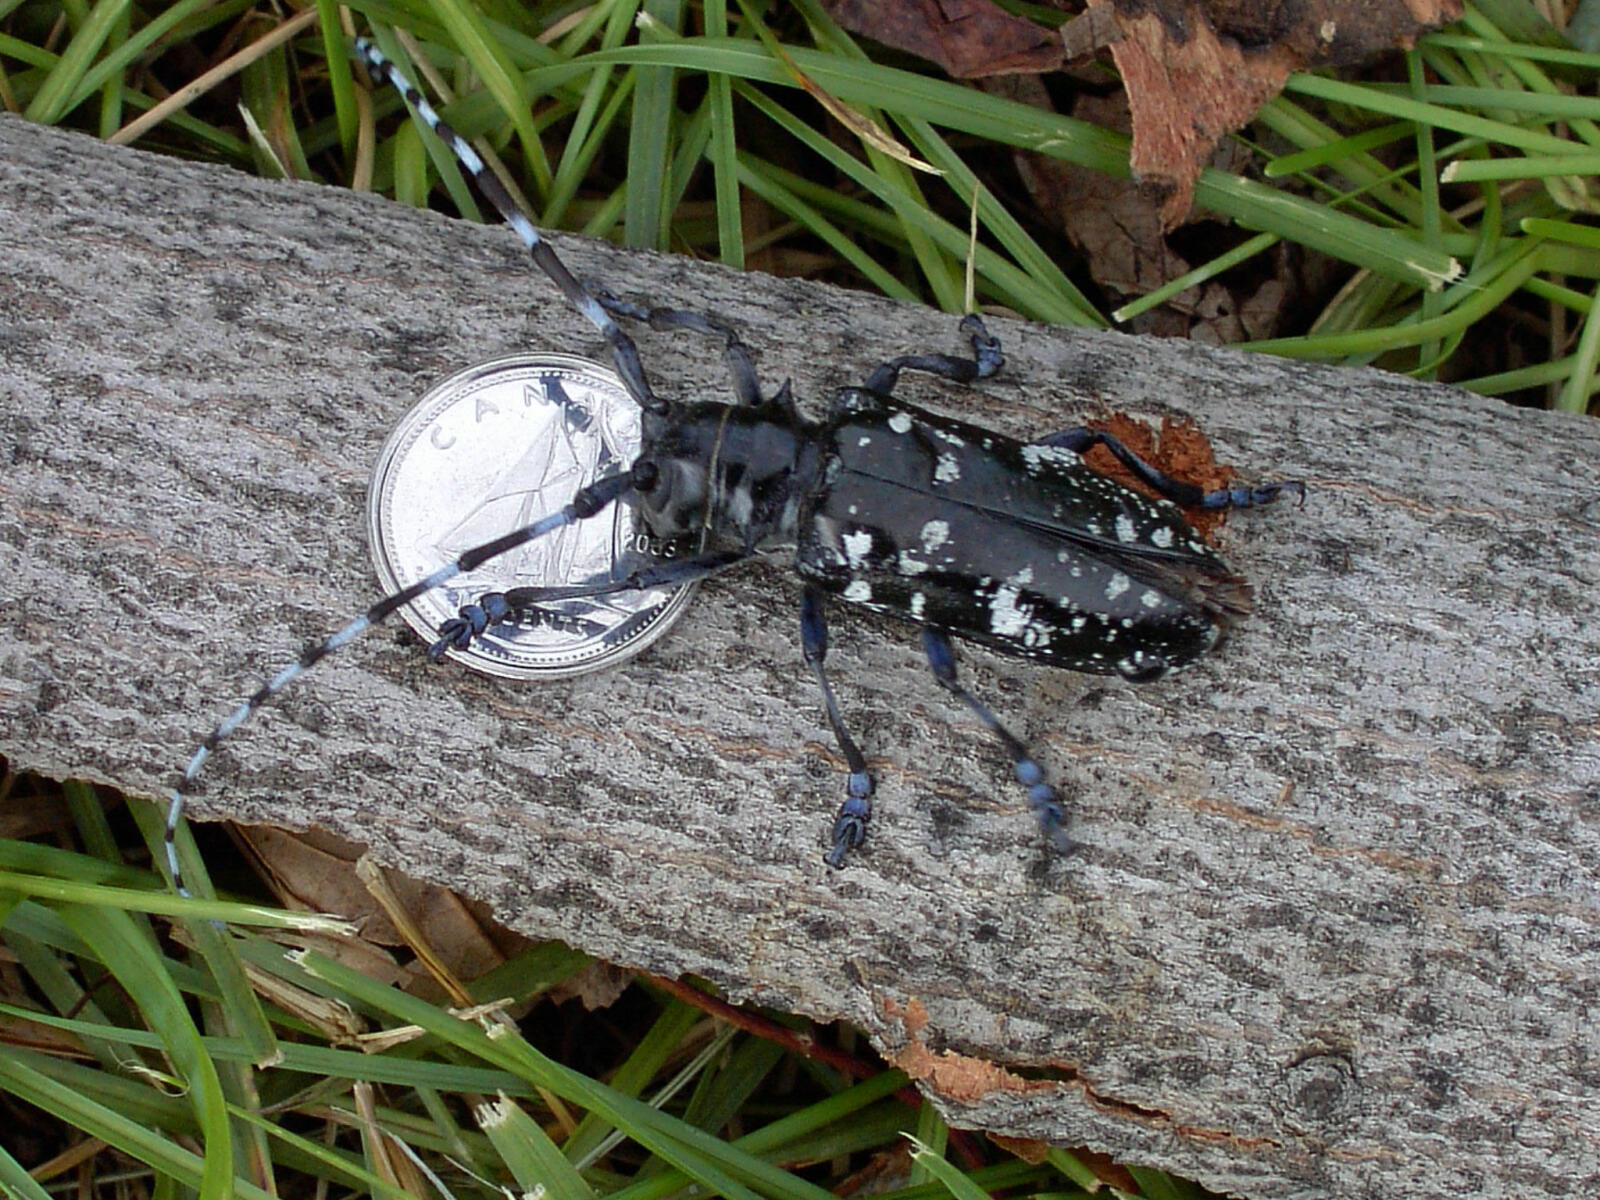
<point x="1455" y="194"/>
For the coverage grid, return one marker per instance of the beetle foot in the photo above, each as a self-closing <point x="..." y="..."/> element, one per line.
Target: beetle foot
<point x="613" y="303"/>
<point x="1052" y="818"/>
<point x="1046" y="806"/>
<point x="985" y="346"/>
<point x="850" y="827"/>
<point x="1242" y="496"/>
<point x="470" y="622"/>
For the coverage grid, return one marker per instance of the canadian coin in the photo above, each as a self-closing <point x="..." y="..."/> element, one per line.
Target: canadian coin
<point x="490" y="450"/>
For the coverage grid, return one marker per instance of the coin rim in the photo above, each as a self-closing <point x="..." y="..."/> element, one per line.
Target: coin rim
<point x="378" y="550"/>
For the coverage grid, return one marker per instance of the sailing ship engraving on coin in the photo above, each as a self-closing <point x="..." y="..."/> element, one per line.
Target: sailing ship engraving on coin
<point x="496" y="447"/>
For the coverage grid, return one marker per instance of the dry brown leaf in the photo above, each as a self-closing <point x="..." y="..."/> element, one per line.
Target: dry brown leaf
<point x="597" y="986"/>
<point x="1194" y="70"/>
<point x="1184" y="95"/>
<point x="316" y="871"/>
<point x="19" y="1031"/>
<point x="968" y="38"/>
<point x="1116" y="225"/>
<point x="888" y="1170"/>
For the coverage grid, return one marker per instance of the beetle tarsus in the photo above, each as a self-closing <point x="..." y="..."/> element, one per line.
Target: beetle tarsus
<point x="850" y="826"/>
<point x="985" y="346"/>
<point x="985" y="361"/>
<point x="469" y="623"/>
<point x="1245" y="496"/>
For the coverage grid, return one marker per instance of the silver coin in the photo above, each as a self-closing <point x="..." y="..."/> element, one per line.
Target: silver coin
<point x="492" y="449"/>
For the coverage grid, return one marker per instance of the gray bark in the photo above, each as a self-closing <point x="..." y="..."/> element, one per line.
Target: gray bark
<point x="1332" y="931"/>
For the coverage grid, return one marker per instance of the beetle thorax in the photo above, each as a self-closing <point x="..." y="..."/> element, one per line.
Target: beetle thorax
<point x="730" y="474"/>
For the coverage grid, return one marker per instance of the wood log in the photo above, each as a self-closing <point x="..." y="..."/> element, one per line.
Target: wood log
<point x="1332" y="929"/>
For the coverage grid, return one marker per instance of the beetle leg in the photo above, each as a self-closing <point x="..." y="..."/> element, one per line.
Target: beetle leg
<point x="985" y="361"/>
<point x="1081" y="439"/>
<point x="1046" y="806"/>
<point x="850" y="826"/>
<point x="735" y="354"/>
<point x="493" y="608"/>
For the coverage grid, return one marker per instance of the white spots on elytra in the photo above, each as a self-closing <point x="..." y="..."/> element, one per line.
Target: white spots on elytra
<point x="864" y="440"/>
<point x="1118" y="584"/>
<point x="947" y="469"/>
<point x="918" y="603"/>
<point x="1126" y="532"/>
<point x="1036" y="457"/>
<point x="1022" y="577"/>
<point x="1008" y="617"/>
<point x="857" y="546"/>
<point x="1095" y="528"/>
<point x="910" y="565"/>
<point x="852" y="510"/>
<point x="946" y="435"/>
<point x="900" y="422"/>
<point x="935" y="534"/>
<point x="859" y="591"/>
<point x="1161" y="536"/>
<point x="1150" y="598"/>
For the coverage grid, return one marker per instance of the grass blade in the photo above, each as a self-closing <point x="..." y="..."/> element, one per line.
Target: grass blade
<point x="50" y="102"/>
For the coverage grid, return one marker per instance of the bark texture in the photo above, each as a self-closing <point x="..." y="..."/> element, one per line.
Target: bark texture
<point x="1332" y="931"/>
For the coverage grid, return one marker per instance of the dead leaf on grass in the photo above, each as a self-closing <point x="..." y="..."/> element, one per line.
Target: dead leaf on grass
<point x="1116" y="226"/>
<point x="1194" y="70"/>
<point x="968" y="38"/>
<point x="316" y="870"/>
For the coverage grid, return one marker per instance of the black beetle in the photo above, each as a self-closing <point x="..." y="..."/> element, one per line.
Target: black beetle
<point x="1020" y="547"/>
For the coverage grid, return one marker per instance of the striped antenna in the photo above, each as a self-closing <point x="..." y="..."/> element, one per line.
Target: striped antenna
<point x="585" y="504"/>
<point x="623" y="352"/>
